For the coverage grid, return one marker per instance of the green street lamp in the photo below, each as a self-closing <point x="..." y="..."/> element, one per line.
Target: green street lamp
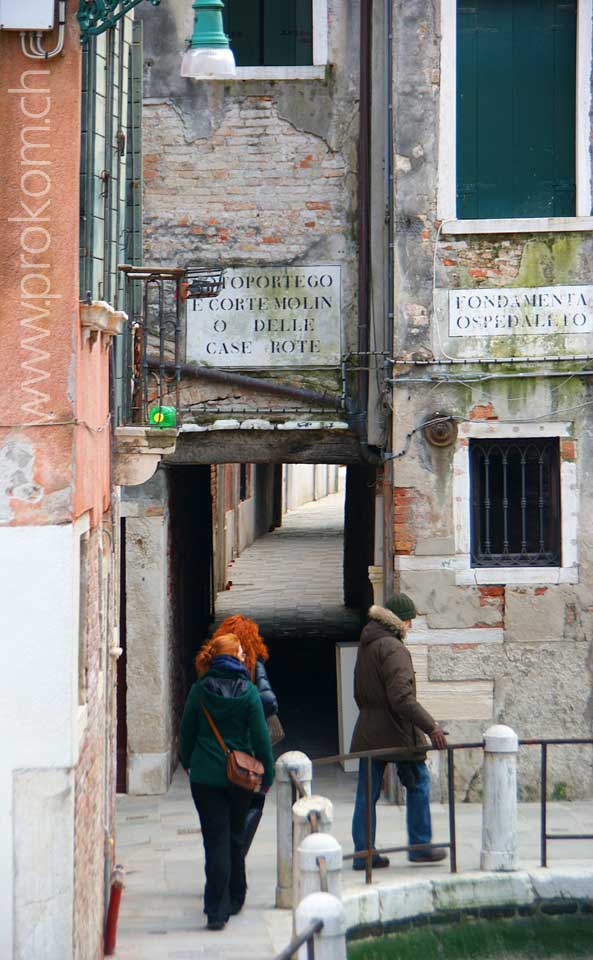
<point x="208" y="56"/>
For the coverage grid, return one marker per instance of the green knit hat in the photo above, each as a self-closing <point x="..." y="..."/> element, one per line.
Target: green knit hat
<point x="402" y="606"/>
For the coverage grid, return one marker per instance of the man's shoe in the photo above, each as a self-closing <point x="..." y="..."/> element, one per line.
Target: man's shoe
<point x="378" y="863"/>
<point x="216" y="924"/>
<point x="429" y="856"/>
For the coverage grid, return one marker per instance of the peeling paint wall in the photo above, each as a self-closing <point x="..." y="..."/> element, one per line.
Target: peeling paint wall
<point x="253" y="172"/>
<point x="532" y="640"/>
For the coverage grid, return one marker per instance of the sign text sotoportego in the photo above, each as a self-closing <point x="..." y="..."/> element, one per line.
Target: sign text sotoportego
<point x="269" y="317"/>
<point x="521" y="311"/>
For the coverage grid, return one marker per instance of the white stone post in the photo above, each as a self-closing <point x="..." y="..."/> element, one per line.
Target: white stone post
<point x="301" y="828"/>
<point x="312" y="849"/>
<point x="499" y="807"/>
<point x="298" y="763"/>
<point x="330" y="942"/>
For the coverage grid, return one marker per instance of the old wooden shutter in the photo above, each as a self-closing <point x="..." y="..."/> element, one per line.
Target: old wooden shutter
<point x="516" y="103"/>
<point x="270" y="33"/>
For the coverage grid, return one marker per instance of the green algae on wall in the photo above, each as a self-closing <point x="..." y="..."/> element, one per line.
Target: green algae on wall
<point x="528" y="938"/>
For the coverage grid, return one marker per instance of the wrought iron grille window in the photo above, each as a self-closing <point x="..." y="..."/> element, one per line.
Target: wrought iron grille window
<point x="515" y="496"/>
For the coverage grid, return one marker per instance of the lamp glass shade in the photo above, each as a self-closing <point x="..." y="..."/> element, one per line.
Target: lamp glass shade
<point x="208" y="63"/>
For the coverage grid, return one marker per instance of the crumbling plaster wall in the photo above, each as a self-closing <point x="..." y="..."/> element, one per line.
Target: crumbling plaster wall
<point x="542" y="665"/>
<point x="253" y="172"/>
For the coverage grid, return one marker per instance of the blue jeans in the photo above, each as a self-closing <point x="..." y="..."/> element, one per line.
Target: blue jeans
<point x="417" y="805"/>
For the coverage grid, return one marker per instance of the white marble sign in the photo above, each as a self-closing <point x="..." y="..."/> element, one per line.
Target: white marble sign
<point x="285" y="316"/>
<point x="521" y="311"/>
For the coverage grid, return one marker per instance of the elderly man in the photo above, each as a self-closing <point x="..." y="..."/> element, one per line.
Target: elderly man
<point x="390" y="716"/>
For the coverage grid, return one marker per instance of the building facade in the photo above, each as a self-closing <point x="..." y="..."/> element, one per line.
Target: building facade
<point x="64" y="122"/>
<point x="492" y="372"/>
<point x="401" y="208"/>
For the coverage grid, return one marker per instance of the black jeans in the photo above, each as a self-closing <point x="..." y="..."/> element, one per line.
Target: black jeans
<point x="222" y="812"/>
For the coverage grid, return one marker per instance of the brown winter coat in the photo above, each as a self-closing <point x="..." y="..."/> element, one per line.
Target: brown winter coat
<point x="385" y="688"/>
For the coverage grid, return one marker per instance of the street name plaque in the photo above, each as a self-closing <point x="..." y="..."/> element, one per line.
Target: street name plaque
<point x="521" y="311"/>
<point x="285" y="316"/>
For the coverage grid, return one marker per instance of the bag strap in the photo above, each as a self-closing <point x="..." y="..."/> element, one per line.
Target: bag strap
<point x="225" y="749"/>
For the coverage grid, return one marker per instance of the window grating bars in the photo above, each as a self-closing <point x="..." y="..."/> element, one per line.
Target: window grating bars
<point x="515" y="498"/>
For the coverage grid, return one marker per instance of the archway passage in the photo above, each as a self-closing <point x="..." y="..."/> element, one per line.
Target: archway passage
<point x="300" y="571"/>
<point x="291" y="582"/>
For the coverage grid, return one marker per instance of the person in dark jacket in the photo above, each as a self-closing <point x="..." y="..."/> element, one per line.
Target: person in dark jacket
<point x="390" y="716"/>
<point x="256" y="655"/>
<point x="235" y="706"/>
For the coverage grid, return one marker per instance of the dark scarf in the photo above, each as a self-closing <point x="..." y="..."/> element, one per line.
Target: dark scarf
<point x="225" y="662"/>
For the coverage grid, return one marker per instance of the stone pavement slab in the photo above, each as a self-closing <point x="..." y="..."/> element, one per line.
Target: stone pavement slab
<point x="292" y="578"/>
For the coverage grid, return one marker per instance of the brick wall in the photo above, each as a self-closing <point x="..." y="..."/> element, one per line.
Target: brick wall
<point x="257" y="189"/>
<point x="94" y="781"/>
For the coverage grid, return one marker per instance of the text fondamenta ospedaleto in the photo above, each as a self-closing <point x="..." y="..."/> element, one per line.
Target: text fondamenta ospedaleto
<point x="269" y="317"/>
<point x="521" y="311"/>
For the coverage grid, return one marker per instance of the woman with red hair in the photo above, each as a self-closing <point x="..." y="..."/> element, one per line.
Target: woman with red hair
<point x="256" y="653"/>
<point x="224" y="689"/>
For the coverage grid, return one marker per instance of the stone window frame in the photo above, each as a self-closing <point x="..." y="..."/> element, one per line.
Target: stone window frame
<point x="315" y="71"/>
<point x="447" y="173"/>
<point x="567" y="571"/>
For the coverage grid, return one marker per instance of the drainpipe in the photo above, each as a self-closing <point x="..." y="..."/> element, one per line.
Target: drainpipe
<point x="388" y="518"/>
<point x="246" y="382"/>
<point x="364" y="144"/>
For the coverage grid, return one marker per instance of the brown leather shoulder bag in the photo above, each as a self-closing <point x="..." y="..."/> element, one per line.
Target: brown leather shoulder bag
<point x="242" y="769"/>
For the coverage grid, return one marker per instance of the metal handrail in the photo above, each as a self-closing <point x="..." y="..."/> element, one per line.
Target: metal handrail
<point x="305" y="937"/>
<point x="451" y="845"/>
<point x="404" y="753"/>
<point x="544" y="835"/>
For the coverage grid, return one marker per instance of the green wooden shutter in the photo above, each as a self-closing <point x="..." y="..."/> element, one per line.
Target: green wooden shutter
<point x="271" y="33"/>
<point x="516" y="104"/>
<point x="288" y="33"/>
<point x="242" y="24"/>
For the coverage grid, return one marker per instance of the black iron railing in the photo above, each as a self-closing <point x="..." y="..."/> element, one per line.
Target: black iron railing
<point x="544" y="835"/>
<point x="451" y="843"/>
<point x="390" y="753"/>
<point x="308" y="937"/>
<point x="152" y="354"/>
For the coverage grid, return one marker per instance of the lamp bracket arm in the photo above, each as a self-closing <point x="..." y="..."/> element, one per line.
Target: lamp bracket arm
<point x="97" y="16"/>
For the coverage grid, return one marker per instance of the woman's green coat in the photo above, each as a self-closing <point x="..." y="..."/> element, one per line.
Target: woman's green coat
<point x="240" y="721"/>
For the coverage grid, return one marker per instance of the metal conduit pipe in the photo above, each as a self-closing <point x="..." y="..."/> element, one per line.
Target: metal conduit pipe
<point x="364" y="140"/>
<point x="469" y="361"/>
<point x="249" y="383"/>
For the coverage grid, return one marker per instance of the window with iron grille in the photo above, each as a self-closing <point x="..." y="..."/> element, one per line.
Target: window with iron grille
<point x="515" y="497"/>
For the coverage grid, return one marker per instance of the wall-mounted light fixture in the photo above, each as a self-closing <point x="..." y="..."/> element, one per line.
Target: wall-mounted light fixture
<point x="208" y="56"/>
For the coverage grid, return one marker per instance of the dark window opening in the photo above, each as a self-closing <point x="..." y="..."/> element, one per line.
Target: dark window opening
<point x="266" y="33"/>
<point x="516" y="108"/>
<point x="515" y="496"/>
